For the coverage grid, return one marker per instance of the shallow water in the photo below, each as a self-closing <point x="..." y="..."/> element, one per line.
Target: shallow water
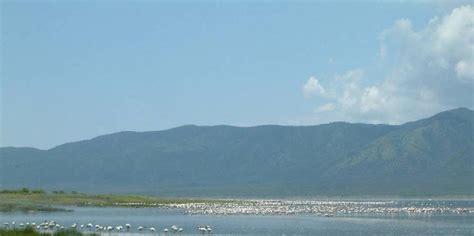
<point x="400" y="224"/>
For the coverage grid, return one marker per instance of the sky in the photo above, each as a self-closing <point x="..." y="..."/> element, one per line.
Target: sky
<point x="73" y="70"/>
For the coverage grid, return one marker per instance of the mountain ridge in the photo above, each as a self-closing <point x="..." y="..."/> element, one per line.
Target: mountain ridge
<point x="431" y="156"/>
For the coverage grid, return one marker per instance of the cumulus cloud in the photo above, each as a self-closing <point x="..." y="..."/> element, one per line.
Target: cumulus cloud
<point x="434" y="71"/>
<point x="313" y="87"/>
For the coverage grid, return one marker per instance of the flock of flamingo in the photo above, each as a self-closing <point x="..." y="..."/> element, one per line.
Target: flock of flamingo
<point x="54" y="226"/>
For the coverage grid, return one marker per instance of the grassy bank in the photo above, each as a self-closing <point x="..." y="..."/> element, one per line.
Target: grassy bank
<point x="31" y="232"/>
<point x="30" y="201"/>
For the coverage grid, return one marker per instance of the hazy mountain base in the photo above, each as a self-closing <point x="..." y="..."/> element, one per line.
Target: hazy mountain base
<point x="429" y="157"/>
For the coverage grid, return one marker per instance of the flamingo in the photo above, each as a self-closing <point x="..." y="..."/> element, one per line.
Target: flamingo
<point x="205" y="229"/>
<point x="202" y="229"/>
<point x="174" y="228"/>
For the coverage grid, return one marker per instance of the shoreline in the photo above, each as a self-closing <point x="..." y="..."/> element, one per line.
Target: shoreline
<point x="24" y="200"/>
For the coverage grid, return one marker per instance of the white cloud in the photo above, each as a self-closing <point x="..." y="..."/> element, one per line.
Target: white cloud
<point x="435" y="60"/>
<point x="434" y="71"/>
<point x="371" y="100"/>
<point x="465" y="69"/>
<point x="325" y="107"/>
<point x="313" y="87"/>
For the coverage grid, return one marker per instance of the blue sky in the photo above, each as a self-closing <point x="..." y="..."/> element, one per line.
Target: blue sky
<point x="74" y="70"/>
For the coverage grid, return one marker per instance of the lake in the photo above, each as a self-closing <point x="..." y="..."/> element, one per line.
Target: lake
<point x="364" y="224"/>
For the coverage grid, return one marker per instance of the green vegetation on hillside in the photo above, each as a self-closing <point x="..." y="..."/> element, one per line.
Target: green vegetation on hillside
<point x="428" y="157"/>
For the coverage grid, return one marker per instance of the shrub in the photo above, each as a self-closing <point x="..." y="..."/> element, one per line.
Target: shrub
<point x="40" y="191"/>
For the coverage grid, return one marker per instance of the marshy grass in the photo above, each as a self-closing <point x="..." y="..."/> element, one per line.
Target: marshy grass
<point x="29" y="201"/>
<point x="31" y="232"/>
<point x="24" y="207"/>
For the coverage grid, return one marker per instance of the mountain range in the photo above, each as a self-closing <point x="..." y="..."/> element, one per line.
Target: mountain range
<point x="428" y="157"/>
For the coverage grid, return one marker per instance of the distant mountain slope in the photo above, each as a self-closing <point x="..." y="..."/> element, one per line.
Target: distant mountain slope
<point x="434" y="155"/>
<point x="429" y="156"/>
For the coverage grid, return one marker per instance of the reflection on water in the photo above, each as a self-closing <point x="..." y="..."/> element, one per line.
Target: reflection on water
<point x="394" y="224"/>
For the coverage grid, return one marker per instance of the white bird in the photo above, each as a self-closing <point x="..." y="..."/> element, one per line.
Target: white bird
<point x="166" y="230"/>
<point x="152" y="229"/>
<point x="202" y="229"/>
<point x="74" y="225"/>
<point x="128" y="226"/>
<point x="140" y="228"/>
<point x="205" y="229"/>
<point x="174" y="228"/>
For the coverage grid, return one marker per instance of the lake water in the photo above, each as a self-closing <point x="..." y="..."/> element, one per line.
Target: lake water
<point x="398" y="224"/>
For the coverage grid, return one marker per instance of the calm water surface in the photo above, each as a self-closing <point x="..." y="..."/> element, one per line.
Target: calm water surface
<point x="446" y="224"/>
